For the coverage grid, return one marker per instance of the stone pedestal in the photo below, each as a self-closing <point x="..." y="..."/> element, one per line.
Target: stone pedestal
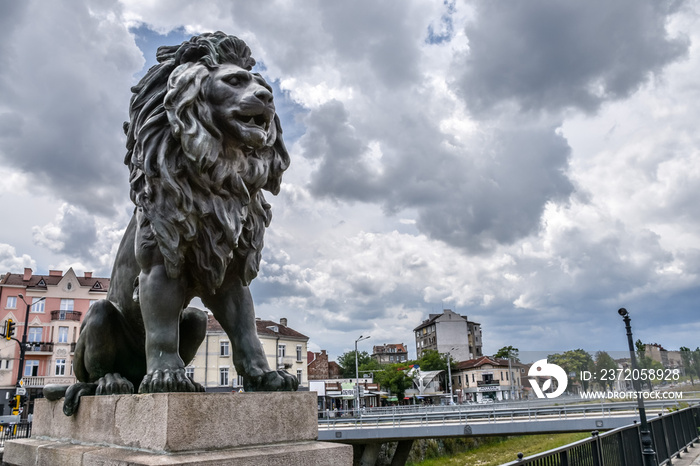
<point x="179" y="429"/>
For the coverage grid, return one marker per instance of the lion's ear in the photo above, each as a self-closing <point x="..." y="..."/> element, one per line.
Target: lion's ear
<point x="279" y="162"/>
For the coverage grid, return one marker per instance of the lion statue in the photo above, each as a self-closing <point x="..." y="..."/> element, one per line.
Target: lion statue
<point x="203" y="142"/>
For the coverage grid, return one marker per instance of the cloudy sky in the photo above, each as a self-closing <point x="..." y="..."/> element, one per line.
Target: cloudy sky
<point x="534" y="165"/>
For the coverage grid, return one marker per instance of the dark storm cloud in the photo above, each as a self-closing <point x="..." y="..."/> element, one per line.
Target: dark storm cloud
<point x="500" y="198"/>
<point x="476" y="197"/>
<point x="66" y="95"/>
<point x="342" y="171"/>
<point x="545" y="55"/>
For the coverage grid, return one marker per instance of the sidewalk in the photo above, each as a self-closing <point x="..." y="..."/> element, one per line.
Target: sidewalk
<point x="692" y="458"/>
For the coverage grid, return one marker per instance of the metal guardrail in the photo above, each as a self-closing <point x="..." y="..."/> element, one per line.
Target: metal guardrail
<point x="12" y="431"/>
<point x="492" y="413"/>
<point x="671" y="434"/>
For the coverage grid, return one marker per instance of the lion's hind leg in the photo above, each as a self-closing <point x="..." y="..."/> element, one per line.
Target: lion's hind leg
<point x="105" y="349"/>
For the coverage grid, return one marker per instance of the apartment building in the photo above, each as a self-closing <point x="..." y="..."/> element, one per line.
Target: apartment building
<point x="449" y="332"/>
<point x="57" y="304"/>
<point x="284" y="347"/>
<point x="390" y="353"/>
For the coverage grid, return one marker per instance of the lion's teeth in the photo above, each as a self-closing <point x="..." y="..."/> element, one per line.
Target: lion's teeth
<point x="251" y="121"/>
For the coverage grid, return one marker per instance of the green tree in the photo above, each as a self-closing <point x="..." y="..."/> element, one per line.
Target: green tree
<point x="687" y="358"/>
<point x="574" y="362"/>
<point x="393" y="378"/>
<point x="508" y="352"/>
<point x="346" y="361"/>
<point x="604" y="363"/>
<point x="371" y="366"/>
<point x="696" y="362"/>
<point x="645" y="362"/>
<point x="434" y="361"/>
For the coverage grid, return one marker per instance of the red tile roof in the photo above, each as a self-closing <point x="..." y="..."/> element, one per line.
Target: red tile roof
<point x="42" y="281"/>
<point x="478" y="362"/>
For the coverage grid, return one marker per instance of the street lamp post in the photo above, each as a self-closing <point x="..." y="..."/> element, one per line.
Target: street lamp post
<point x="449" y="377"/>
<point x="647" y="444"/>
<point x="357" y="376"/>
<point x="23" y="345"/>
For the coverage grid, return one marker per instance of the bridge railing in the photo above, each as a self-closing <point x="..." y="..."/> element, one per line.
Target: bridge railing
<point x="494" y="413"/>
<point x="532" y="405"/>
<point x="671" y="434"/>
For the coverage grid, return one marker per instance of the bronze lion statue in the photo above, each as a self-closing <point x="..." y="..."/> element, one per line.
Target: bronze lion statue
<point x="203" y="143"/>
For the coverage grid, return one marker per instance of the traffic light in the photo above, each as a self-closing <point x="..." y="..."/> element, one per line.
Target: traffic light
<point x="9" y="329"/>
<point x="16" y="405"/>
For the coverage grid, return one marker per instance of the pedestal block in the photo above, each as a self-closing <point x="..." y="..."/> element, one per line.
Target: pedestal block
<point x="179" y="429"/>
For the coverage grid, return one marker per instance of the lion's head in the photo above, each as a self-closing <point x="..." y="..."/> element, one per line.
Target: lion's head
<point x="202" y="142"/>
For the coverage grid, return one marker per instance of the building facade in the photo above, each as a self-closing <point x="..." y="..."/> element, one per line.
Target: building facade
<point x="57" y="303"/>
<point x="482" y="379"/>
<point x="668" y="359"/>
<point x="284" y="347"/>
<point x="451" y="333"/>
<point x="390" y="353"/>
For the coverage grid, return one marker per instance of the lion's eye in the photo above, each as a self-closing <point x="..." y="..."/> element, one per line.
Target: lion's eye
<point x="232" y="80"/>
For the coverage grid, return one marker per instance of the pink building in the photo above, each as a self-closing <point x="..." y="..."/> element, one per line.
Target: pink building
<point x="53" y="327"/>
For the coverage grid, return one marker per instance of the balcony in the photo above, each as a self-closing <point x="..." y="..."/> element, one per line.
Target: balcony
<point x="66" y="315"/>
<point x="487" y="383"/>
<point x="39" y="347"/>
<point x="286" y="362"/>
<point x="40" y="381"/>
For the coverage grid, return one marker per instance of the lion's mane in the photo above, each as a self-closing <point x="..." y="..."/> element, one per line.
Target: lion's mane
<point x="203" y="210"/>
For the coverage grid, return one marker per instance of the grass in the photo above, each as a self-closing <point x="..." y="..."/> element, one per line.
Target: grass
<point x="502" y="452"/>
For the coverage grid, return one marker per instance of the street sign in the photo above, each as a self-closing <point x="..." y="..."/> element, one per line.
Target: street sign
<point x="21" y="391"/>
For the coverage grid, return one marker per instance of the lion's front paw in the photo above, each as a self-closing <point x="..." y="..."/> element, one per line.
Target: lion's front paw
<point x="114" y="384"/>
<point x="272" y="381"/>
<point x="163" y="381"/>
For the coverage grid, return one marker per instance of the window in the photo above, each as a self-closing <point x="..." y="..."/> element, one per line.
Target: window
<point x="240" y="381"/>
<point x="11" y="302"/>
<point x="34" y="334"/>
<point x="299" y="375"/>
<point x="31" y="368"/>
<point x="37" y="305"/>
<point x="63" y="334"/>
<point x="472" y="377"/>
<point x="223" y="376"/>
<point x="281" y="350"/>
<point x="60" y="367"/>
<point x="298" y="353"/>
<point x="223" y="348"/>
<point x="7" y="363"/>
<point x="189" y="372"/>
<point x="67" y="304"/>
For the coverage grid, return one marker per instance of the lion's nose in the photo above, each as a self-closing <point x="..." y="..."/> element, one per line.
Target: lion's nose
<point x="264" y="95"/>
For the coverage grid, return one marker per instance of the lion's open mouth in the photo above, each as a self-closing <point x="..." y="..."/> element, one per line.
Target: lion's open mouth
<point x="261" y="121"/>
